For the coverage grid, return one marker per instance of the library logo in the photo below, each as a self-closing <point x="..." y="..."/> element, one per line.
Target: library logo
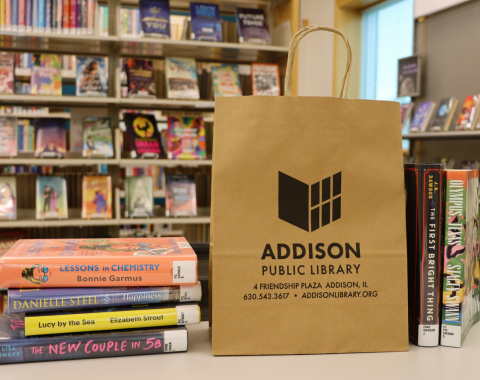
<point x="299" y="203"/>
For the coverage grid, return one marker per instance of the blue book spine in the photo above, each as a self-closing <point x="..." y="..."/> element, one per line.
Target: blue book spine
<point x="137" y="15"/>
<point x="48" y="16"/>
<point x="41" y="15"/>
<point x="79" y="17"/>
<point x="35" y="15"/>
<point x="20" y="138"/>
<point x="14" y="14"/>
<point x="28" y="14"/>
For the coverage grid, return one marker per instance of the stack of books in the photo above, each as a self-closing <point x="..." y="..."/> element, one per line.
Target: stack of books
<point x="91" y="298"/>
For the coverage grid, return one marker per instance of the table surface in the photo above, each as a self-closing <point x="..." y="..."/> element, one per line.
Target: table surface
<point x="198" y="363"/>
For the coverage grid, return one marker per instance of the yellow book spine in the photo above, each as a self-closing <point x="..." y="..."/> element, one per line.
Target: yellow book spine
<point x="126" y="319"/>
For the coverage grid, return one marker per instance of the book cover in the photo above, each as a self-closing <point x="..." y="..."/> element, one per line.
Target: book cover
<point x="80" y="263"/>
<point x="181" y="195"/>
<point x="182" y="81"/>
<point x="205" y="22"/>
<point x="444" y="115"/>
<point x="425" y="196"/>
<point x="51" y="198"/>
<point x="469" y="114"/>
<point x="19" y="348"/>
<point x="265" y="79"/>
<point x="48" y="299"/>
<point x="97" y="137"/>
<point x="96" y="197"/>
<point x="138" y="196"/>
<point x="155" y="18"/>
<point x="422" y="116"/>
<point x="8" y="136"/>
<point x="226" y="81"/>
<point x="7" y="73"/>
<point x="143" y="135"/>
<point x="461" y="266"/>
<point x="186" y="138"/>
<point x="46" y="76"/>
<point x="158" y="175"/>
<point x="50" y="138"/>
<point x="252" y="26"/>
<point x="66" y="17"/>
<point x="8" y="197"/>
<point x="92" y="76"/>
<point x="406" y="113"/>
<point x="140" y="78"/>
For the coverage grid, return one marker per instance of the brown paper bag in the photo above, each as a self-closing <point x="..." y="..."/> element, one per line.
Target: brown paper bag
<point x="308" y="224"/>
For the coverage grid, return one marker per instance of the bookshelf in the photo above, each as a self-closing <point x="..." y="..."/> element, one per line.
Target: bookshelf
<point x="441" y="135"/>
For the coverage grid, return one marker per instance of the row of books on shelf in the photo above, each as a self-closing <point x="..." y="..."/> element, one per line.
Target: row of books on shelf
<point x="27" y="111"/>
<point x="130" y="297"/>
<point x="23" y="64"/>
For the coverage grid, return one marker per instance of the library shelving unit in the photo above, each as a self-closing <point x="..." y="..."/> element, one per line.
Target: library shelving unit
<point x="441" y="135"/>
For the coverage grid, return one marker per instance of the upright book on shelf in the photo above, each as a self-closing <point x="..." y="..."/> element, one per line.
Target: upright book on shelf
<point x="186" y="138"/>
<point x="7" y="73"/>
<point x="205" y="22"/>
<point x="50" y="138"/>
<point x="226" y="81"/>
<point x="181" y="195"/>
<point x="96" y="197"/>
<point x="97" y="137"/>
<point x="252" y="26"/>
<point x="92" y="76"/>
<point x="265" y="79"/>
<point x="444" y="115"/>
<point x="422" y="117"/>
<point x="138" y="197"/>
<point x="46" y="76"/>
<point x="143" y="135"/>
<point x="51" y="198"/>
<point x="140" y="78"/>
<point x="425" y="196"/>
<point x="406" y="113"/>
<point x="467" y="120"/>
<point x="8" y="197"/>
<point x="8" y="136"/>
<point x="182" y="81"/>
<point x="461" y="266"/>
<point x="155" y="18"/>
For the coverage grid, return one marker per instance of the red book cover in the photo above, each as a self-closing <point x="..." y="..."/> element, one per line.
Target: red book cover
<point x="66" y="16"/>
<point x="73" y="16"/>
<point x="21" y="14"/>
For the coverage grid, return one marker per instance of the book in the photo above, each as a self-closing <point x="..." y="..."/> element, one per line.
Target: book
<point x="92" y="76"/>
<point x="19" y="348"/>
<point x="97" y="137"/>
<point x="186" y="138"/>
<point x="51" y="198"/>
<point x="461" y="265"/>
<point x="406" y="113"/>
<point x="143" y="135"/>
<point x="79" y="263"/>
<point x="50" y="138"/>
<point x="252" y="26"/>
<point x="181" y="78"/>
<point x="8" y="136"/>
<point x="425" y="195"/>
<point x="138" y="196"/>
<point x="181" y="195"/>
<point x="46" y="78"/>
<point x="155" y="18"/>
<point x="444" y="115"/>
<point x="48" y="299"/>
<point x="96" y="197"/>
<point x="265" y="79"/>
<point x="468" y="117"/>
<point x="469" y="164"/>
<point x="8" y="197"/>
<point x="422" y="117"/>
<point x="226" y="81"/>
<point x="205" y="22"/>
<point x="7" y="73"/>
<point x="140" y="78"/>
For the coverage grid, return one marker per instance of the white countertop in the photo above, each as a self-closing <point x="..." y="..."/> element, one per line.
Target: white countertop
<point x="198" y="363"/>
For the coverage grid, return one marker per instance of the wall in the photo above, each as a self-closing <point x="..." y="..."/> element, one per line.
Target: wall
<point x="427" y="7"/>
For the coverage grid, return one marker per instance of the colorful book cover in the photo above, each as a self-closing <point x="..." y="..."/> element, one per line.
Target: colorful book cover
<point x="48" y="299"/>
<point x="96" y="197"/>
<point x="92" y="76"/>
<point x="138" y="196"/>
<point x="155" y="18"/>
<point x="143" y="135"/>
<point x="140" y="78"/>
<point x="252" y="26"/>
<point x="226" y="80"/>
<point x="444" y="115"/>
<point x="50" y="138"/>
<point x="182" y="81"/>
<point x="186" y="138"/>
<point x="469" y="115"/>
<point x="80" y="263"/>
<point x="46" y="76"/>
<point x="7" y="73"/>
<point x="51" y="198"/>
<point x="406" y="113"/>
<point x="19" y="348"/>
<point x="461" y="266"/>
<point x="97" y="137"/>
<point x="8" y="136"/>
<point x="265" y="79"/>
<point x="8" y="197"/>
<point x="181" y="195"/>
<point x="205" y="22"/>
<point x="422" y="116"/>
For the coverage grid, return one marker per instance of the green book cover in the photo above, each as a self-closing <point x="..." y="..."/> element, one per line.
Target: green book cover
<point x="138" y="197"/>
<point x="97" y="137"/>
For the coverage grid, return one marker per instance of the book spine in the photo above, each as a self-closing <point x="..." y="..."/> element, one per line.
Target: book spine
<point x="2" y="15"/>
<point x="90" y="17"/>
<point x="54" y="15"/>
<point x="105" y="21"/>
<point x="125" y="22"/>
<point x="40" y="15"/>
<point x="59" y="14"/>
<point x="66" y="17"/>
<point x="28" y="15"/>
<point x="21" y="15"/>
<point x="73" y="16"/>
<point x="48" y="16"/>
<point x="79" y="17"/>
<point x="14" y="15"/>
<point x="99" y="21"/>
<point x="84" y="16"/>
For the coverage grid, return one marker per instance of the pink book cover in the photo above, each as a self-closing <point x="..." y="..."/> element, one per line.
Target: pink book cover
<point x="21" y="14"/>
<point x="73" y="16"/>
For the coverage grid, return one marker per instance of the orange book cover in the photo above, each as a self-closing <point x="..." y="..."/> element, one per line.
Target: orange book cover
<point x="97" y="197"/>
<point x="59" y="263"/>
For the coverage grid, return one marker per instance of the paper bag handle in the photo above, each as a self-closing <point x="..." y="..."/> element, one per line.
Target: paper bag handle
<point x="293" y="49"/>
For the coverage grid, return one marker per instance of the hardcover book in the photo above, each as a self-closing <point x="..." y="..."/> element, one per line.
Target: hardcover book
<point x="138" y="196"/>
<point x="140" y="78"/>
<point x="46" y="76"/>
<point x="92" y="76"/>
<point x="97" y="137"/>
<point x="51" y="198"/>
<point x="468" y="117"/>
<point x="205" y="22"/>
<point x="186" y="138"/>
<point x="181" y="195"/>
<point x="96" y="197"/>
<point x="461" y="266"/>
<point x="143" y="135"/>
<point x="182" y="81"/>
<point x="425" y="195"/>
<point x="50" y="138"/>
<point x="422" y="117"/>
<point x="8" y="197"/>
<point x="155" y="18"/>
<point x="80" y="263"/>
<point x="444" y="115"/>
<point x="7" y="73"/>
<point x="8" y="136"/>
<point x="252" y="26"/>
<point x="265" y="79"/>
<point x="226" y="81"/>
<point x="406" y="113"/>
